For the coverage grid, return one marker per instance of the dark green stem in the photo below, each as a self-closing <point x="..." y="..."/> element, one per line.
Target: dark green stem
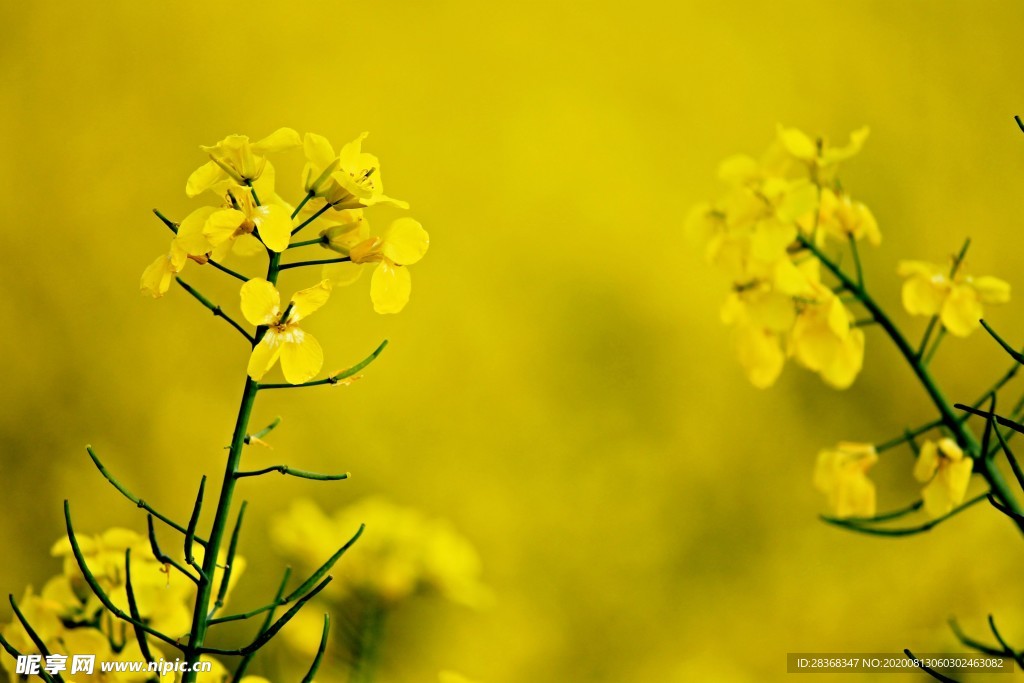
<point x="366" y="648"/>
<point x="964" y="437"/>
<point x="317" y="262"/>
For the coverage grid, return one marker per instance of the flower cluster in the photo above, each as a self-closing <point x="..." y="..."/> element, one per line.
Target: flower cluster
<point x="69" y="618"/>
<point x="759" y="232"/>
<point x="250" y="218"/>
<point x="401" y="554"/>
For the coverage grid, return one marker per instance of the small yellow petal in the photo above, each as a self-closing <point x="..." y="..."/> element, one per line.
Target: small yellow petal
<point x="203" y="178"/>
<point x="924" y="295"/>
<point x="190" y="235"/>
<point x="275" y="225"/>
<point x="342" y="274"/>
<point x="991" y="290"/>
<point x="264" y="355"/>
<point x="261" y="302"/>
<point x="221" y="225"/>
<point x="309" y="300"/>
<point x="405" y="241"/>
<point x="390" y="287"/>
<point x="302" y="358"/>
<point x="961" y="311"/>
<point x="278" y="141"/>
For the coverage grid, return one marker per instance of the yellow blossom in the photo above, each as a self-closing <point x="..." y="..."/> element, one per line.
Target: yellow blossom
<point x="929" y="290"/>
<point x="946" y="471"/>
<point x="820" y="157"/>
<point x="400" y="554"/>
<point x="157" y="277"/>
<point x="404" y="243"/>
<point x="236" y="160"/>
<point x="841" y="474"/>
<point x="843" y="218"/>
<point x="300" y="352"/>
<point x="823" y="340"/>
<point x="272" y="222"/>
<point x="349" y="180"/>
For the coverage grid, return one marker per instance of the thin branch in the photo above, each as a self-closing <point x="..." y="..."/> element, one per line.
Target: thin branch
<point x="243" y="665"/>
<point x="190" y="532"/>
<point x="36" y="640"/>
<point x="264" y="637"/>
<point x="217" y="310"/>
<point x="970" y="642"/>
<point x="1007" y="650"/>
<point x="133" y="607"/>
<point x="135" y="499"/>
<point x="1013" y="353"/>
<point x="315" y="666"/>
<point x="225" y="269"/>
<point x="927" y="669"/>
<point x="907" y="531"/>
<point x="317" y="262"/>
<point x="225" y="579"/>
<point x="334" y="379"/>
<point x="13" y="652"/>
<point x="161" y="557"/>
<point x="98" y="590"/>
<point x="301" y="474"/>
<point x="263" y="432"/>
<point x="311" y="218"/>
<point x="167" y="221"/>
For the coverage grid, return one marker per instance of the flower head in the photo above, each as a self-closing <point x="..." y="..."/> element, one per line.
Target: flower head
<point x="300" y="353"/>
<point x="841" y="474"/>
<point x="945" y="470"/>
<point x="349" y="180"/>
<point x="400" y="554"/>
<point x="236" y="160"/>
<point x="957" y="299"/>
<point x="404" y="243"/>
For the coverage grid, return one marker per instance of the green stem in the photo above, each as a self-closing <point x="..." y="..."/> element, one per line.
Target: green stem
<point x="367" y="644"/>
<point x="312" y="218"/>
<point x="317" y="262"/>
<point x="964" y="437"/>
<point x="306" y="243"/>
<point x="201" y="614"/>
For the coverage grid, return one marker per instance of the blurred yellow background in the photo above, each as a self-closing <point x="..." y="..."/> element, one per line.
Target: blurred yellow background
<point x="559" y="386"/>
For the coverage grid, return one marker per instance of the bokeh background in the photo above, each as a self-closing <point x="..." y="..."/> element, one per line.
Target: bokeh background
<point x="559" y="387"/>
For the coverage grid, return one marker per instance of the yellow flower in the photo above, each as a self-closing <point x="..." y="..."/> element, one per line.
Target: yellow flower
<point x="761" y="317"/>
<point x="300" y="352"/>
<point x="957" y="301"/>
<point x="164" y="596"/>
<point x="156" y="279"/>
<point x="235" y="159"/>
<point x="404" y="243"/>
<point x="349" y="180"/>
<point x="946" y="472"/>
<point x="400" y="554"/>
<point x="841" y="474"/>
<point x="824" y="341"/>
<point x="842" y="218"/>
<point x="818" y="155"/>
<point x="272" y="221"/>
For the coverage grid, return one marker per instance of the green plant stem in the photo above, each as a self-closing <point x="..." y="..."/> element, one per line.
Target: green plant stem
<point x="317" y="262"/>
<point x="311" y="218"/>
<point x="964" y="437"/>
<point x="307" y="243"/>
<point x="201" y="613"/>
<point x="366" y="647"/>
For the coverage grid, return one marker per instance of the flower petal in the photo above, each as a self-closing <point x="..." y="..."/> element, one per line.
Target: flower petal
<point x="264" y="355"/>
<point x="405" y="241"/>
<point x="301" y="359"/>
<point x="390" y="287"/>
<point x="308" y="300"/>
<point x="342" y="274"/>
<point x="190" y="235"/>
<point x="275" y="225"/>
<point x="203" y="178"/>
<point x="261" y="302"/>
<point x="221" y="225"/>
<point x="961" y="311"/>
<point x="278" y="141"/>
